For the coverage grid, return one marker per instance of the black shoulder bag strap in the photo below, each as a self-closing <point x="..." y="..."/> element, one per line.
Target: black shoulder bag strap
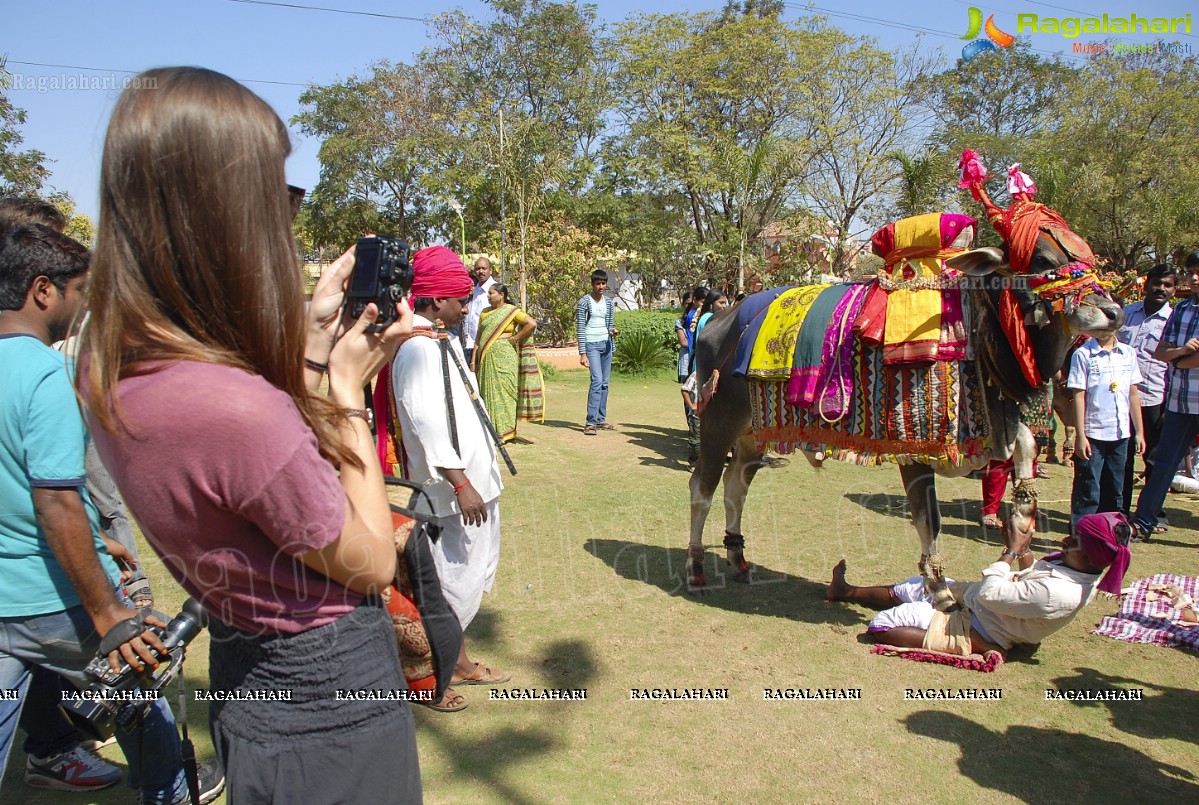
<point x="479" y="409"/>
<point x="444" y="343"/>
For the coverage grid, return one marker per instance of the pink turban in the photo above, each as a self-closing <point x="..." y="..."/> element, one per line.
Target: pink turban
<point x="1096" y="535"/>
<point x="438" y="273"/>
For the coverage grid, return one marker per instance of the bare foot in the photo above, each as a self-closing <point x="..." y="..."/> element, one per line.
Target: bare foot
<point x="837" y="590"/>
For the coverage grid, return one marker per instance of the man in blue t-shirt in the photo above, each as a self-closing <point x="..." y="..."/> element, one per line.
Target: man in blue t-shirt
<point x="59" y="597"/>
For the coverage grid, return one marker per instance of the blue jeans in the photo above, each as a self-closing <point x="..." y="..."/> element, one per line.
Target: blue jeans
<point x="1178" y="434"/>
<point x="65" y="642"/>
<point x="1100" y="479"/>
<point x="599" y="360"/>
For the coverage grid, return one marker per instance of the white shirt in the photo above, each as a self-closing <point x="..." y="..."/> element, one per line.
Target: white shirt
<point x="478" y="303"/>
<point x="1106" y="375"/>
<point x="420" y="393"/>
<point x="1026" y="606"/>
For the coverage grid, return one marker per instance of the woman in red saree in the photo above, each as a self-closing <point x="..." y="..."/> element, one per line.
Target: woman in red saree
<point x="506" y="365"/>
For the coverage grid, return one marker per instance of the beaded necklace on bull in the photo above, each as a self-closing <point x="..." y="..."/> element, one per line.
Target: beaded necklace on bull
<point x="1059" y="290"/>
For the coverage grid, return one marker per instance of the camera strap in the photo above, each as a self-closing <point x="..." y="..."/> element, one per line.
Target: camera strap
<point x="187" y="750"/>
<point x="480" y="411"/>
<point x="451" y="417"/>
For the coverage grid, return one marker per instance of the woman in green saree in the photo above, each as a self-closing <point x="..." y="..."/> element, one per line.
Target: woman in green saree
<point x="506" y="365"/>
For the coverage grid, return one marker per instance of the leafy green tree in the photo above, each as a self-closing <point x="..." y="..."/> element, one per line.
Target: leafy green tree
<point x="22" y="173"/>
<point x="530" y="90"/>
<point x="866" y="105"/>
<point x="714" y="109"/>
<point x="1121" y="167"/>
<point x="383" y="141"/>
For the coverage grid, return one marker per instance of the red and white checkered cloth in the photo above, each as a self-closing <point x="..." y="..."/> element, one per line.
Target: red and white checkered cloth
<point x="1143" y="621"/>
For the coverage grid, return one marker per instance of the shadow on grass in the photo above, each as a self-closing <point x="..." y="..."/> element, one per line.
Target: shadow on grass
<point x="771" y="594"/>
<point x="493" y="760"/>
<point x="1019" y="760"/>
<point x="1172" y="713"/>
<point x="669" y="444"/>
<point x="1051" y="526"/>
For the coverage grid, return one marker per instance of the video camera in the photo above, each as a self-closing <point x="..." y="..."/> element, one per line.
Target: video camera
<point x="382" y="274"/>
<point x="115" y="699"/>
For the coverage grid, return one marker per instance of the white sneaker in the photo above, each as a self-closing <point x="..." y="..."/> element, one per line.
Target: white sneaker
<point x="74" y="770"/>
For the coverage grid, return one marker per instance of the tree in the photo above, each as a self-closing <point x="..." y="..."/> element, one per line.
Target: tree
<point x="384" y="142"/>
<point x="1121" y="168"/>
<point x="867" y="104"/>
<point x="714" y="111"/>
<point x="22" y="173"/>
<point x="530" y="89"/>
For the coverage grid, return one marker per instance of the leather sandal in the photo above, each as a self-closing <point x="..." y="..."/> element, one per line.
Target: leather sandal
<point x="482" y="675"/>
<point x="451" y="702"/>
<point x="589" y="430"/>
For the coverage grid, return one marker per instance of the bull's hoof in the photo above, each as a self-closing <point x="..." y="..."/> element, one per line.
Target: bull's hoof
<point x="743" y="570"/>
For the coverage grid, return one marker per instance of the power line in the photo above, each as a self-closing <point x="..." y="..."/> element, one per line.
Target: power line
<point x="136" y="72"/>
<point x="907" y="26"/>
<point x="297" y="6"/>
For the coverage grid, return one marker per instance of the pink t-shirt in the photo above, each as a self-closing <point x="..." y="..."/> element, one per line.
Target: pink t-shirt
<point x="226" y="481"/>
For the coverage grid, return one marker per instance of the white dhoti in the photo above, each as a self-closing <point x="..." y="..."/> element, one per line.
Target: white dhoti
<point x="467" y="558"/>
<point x="915" y="608"/>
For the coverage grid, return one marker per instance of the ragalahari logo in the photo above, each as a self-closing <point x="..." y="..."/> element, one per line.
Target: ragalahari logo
<point x="994" y="35"/>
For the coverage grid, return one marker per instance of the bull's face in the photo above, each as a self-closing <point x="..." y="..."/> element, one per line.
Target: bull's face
<point x="1095" y="314"/>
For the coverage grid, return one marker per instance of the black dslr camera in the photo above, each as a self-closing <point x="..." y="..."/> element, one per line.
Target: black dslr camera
<point x="117" y="699"/>
<point x="382" y="274"/>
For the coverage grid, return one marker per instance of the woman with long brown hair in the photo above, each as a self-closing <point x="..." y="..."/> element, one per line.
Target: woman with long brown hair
<point x="264" y="499"/>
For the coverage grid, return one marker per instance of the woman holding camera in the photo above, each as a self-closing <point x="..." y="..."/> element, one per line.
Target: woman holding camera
<point x="265" y="500"/>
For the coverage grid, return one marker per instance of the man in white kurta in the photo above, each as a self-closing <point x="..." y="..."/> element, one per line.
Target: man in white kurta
<point x="478" y="303"/>
<point x="463" y="482"/>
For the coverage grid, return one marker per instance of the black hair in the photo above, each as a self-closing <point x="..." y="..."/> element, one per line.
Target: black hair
<point x="599" y="274"/>
<point x="502" y="290"/>
<point x="35" y="250"/>
<point x="1192" y="259"/>
<point x="1161" y="271"/>
<point x="15" y="212"/>
<point x="421" y="302"/>
<point x="709" y="300"/>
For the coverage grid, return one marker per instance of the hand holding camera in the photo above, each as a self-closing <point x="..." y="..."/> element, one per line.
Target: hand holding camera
<point x="360" y="296"/>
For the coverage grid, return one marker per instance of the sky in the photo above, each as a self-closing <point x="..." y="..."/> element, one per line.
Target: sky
<point x="67" y="59"/>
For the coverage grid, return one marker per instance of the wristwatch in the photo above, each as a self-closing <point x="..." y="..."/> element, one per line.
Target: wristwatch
<point x="362" y="413"/>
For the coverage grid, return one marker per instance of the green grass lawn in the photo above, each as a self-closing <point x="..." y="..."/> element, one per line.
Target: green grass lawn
<point x="590" y="595"/>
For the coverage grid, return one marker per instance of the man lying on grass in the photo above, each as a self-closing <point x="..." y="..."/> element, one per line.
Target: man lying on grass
<point x="1007" y="606"/>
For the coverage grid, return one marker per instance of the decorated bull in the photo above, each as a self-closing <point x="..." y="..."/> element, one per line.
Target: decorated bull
<point x="928" y="366"/>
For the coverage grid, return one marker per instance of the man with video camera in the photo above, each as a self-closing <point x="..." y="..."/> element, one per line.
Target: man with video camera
<point x="59" y="604"/>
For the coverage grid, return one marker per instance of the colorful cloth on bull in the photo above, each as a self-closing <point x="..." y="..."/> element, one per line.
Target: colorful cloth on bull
<point x="774" y="348"/>
<point x="914" y="250"/>
<point x="751" y="312"/>
<point x="805" y="369"/>
<point x="923" y="413"/>
<point x="835" y="387"/>
<point x="1147" y="617"/>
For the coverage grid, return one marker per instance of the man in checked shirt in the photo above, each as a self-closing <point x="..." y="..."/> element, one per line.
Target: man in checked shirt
<point x="1144" y="323"/>
<point x="1179" y="347"/>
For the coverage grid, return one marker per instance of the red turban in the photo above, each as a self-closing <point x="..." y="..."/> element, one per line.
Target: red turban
<point x="438" y="273"/>
<point x="1096" y="535"/>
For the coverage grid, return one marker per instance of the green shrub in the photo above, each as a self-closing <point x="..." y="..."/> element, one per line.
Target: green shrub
<point x="640" y="352"/>
<point x="658" y="323"/>
<point x="547" y="369"/>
